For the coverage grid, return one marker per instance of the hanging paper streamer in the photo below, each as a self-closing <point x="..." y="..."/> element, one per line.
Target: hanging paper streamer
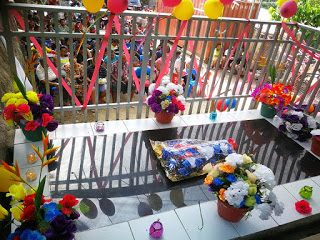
<point x="213" y="9"/>
<point x="175" y="44"/>
<point x="98" y="63"/>
<point x="117" y="6"/>
<point x="39" y="48"/>
<point x="184" y="11"/>
<point x="93" y="6"/>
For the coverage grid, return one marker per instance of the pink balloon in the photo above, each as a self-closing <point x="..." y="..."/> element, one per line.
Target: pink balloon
<point x="171" y="3"/>
<point x="226" y="2"/>
<point x="118" y="6"/>
<point x="288" y="9"/>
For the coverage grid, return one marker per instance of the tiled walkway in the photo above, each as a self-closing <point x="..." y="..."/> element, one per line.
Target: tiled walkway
<point x="185" y="222"/>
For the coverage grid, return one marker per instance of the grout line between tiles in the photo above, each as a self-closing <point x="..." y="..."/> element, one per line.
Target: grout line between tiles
<point x="182" y="224"/>
<point x="131" y="230"/>
<point x="315" y="181"/>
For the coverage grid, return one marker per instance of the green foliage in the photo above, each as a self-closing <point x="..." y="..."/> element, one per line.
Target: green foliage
<point x="38" y="197"/>
<point x="20" y="86"/>
<point x="84" y="208"/>
<point x="44" y="226"/>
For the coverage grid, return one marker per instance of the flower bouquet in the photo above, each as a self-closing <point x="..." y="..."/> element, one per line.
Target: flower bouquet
<point x="166" y="100"/>
<point x="31" y="111"/>
<point x="296" y="125"/>
<point x="241" y="186"/>
<point x="40" y="218"/>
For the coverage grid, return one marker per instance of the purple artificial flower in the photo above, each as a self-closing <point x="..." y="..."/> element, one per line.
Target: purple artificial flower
<point x="61" y="227"/>
<point x="157" y="93"/>
<point x="172" y="108"/>
<point x="74" y="216"/>
<point x="36" y="111"/>
<point x="151" y="100"/>
<point x="267" y="86"/>
<point x="292" y="118"/>
<point x="304" y="122"/>
<point x="52" y="126"/>
<point x="282" y="128"/>
<point x="156" y="108"/>
<point x="255" y="93"/>
<point x="47" y="101"/>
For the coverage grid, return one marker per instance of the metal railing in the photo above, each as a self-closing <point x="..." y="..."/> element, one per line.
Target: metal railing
<point x="263" y="38"/>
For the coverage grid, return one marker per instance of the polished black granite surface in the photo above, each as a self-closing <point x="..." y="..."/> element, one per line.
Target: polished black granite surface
<point x="120" y="179"/>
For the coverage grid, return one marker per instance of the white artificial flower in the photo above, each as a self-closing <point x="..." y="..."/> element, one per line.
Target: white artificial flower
<point x="265" y="210"/>
<point x="165" y="80"/>
<point x="236" y="192"/>
<point x="206" y="151"/>
<point x="293" y="135"/>
<point x="299" y="114"/>
<point x="171" y="86"/>
<point x="277" y="121"/>
<point x="265" y="175"/>
<point x="152" y="87"/>
<point x="179" y="89"/>
<point x="296" y="126"/>
<point x="312" y="122"/>
<point x="162" y="89"/>
<point x="234" y="159"/>
<point x="182" y="99"/>
<point x="277" y="206"/>
<point x="288" y="127"/>
<point x="315" y="132"/>
<point x="224" y="148"/>
<point x="165" y="104"/>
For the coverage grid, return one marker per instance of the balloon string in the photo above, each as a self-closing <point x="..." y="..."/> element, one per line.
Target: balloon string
<point x="85" y="32"/>
<point x="220" y="27"/>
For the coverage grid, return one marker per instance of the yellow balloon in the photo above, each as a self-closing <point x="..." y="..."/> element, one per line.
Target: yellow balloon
<point x="280" y="2"/>
<point x="93" y="6"/>
<point x="213" y="9"/>
<point x="184" y="10"/>
<point x="5" y="180"/>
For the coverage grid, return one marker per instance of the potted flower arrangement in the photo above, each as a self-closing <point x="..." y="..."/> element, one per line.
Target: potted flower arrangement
<point x="31" y="111"/>
<point x="241" y="186"/>
<point x="296" y="125"/>
<point x="273" y="96"/>
<point x="40" y="218"/>
<point x="315" y="146"/>
<point x="166" y="101"/>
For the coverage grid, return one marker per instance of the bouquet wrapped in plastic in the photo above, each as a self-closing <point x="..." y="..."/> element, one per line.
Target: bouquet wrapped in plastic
<point x="185" y="158"/>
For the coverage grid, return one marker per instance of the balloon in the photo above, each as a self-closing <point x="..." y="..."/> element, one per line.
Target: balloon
<point x="219" y="104"/>
<point x="280" y="2"/>
<point x="117" y="6"/>
<point x="311" y="109"/>
<point x="288" y="9"/>
<point x="226" y="2"/>
<point x="171" y="3"/>
<point x="184" y="10"/>
<point x="213" y="9"/>
<point x="233" y="104"/>
<point x="93" y="6"/>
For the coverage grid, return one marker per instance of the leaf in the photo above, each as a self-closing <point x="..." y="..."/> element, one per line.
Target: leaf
<point x="59" y="207"/>
<point x="20" y="86"/>
<point x="84" y="208"/>
<point x="38" y="197"/>
<point x="44" y="226"/>
<point x="17" y="169"/>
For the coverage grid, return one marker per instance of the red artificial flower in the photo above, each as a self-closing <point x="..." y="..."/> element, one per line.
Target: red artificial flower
<point x="181" y="106"/>
<point x="29" y="200"/>
<point x="303" y="207"/>
<point x="46" y="118"/>
<point x="16" y="237"/>
<point x="17" y="117"/>
<point x="233" y="143"/>
<point x="23" y="108"/>
<point x="68" y="202"/>
<point x="172" y="92"/>
<point x="8" y="112"/>
<point x="174" y="100"/>
<point x="28" y="213"/>
<point x="32" y="125"/>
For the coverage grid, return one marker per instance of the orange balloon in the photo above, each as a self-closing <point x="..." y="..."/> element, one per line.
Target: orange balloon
<point x="311" y="109"/>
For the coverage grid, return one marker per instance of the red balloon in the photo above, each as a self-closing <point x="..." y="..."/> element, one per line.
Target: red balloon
<point x="171" y="3"/>
<point x="226" y="2"/>
<point x="118" y="6"/>
<point x="288" y="9"/>
<point x="219" y="104"/>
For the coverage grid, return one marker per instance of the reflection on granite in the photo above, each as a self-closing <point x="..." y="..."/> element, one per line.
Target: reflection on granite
<point x="117" y="177"/>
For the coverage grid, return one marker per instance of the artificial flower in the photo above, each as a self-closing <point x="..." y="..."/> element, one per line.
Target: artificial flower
<point x="3" y="213"/>
<point x="218" y="181"/>
<point x="28" y="213"/>
<point x="31" y="126"/>
<point x="17" y="211"/>
<point x="23" y="108"/>
<point x="46" y="118"/>
<point x="68" y="202"/>
<point x="11" y="101"/>
<point x="7" y="96"/>
<point x="303" y="207"/>
<point x="17" y="191"/>
<point x="51" y="211"/>
<point x="265" y="210"/>
<point x="31" y="235"/>
<point x="61" y="227"/>
<point x="265" y="175"/>
<point x="8" y="112"/>
<point x="234" y="158"/>
<point x="250" y="201"/>
<point x="251" y="176"/>
<point x="208" y="180"/>
<point x="252" y="190"/>
<point x="21" y="101"/>
<point x="29" y="200"/>
<point x="246" y="159"/>
<point x="32" y="97"/>
<point x="222" y="194"/>
<point x="227" y="168"/>
<point x="231" y="178"/>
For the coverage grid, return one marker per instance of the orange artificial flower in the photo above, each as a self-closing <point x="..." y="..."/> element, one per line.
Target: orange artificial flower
<point x="226" y="168"/>
<point x="222" y="195"/>
<point x="208" y="180"/>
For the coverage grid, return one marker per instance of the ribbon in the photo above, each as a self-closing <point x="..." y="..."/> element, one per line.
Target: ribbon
<point x="285" y="27"/>
<point x="39" y="48"/>
<point x="98" y="63"/>
<point x="166" y="64"/>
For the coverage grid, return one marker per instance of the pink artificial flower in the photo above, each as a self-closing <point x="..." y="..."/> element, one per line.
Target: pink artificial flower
<point x="303" y="207"/>
<point x="181" y="106"/>
<point x="8" y="112"/>
<point x="46" y="118"/>
<point x="23" y="108"/>
<point x="31" y="126"/>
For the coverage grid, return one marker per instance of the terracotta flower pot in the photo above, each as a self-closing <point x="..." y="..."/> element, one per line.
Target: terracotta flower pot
<point x="164" y="117"/>
<point x="35" y="135"/>
<point x="315" y="146"/>
<point x="230" y="213"/>
<point x="267" y="111"/>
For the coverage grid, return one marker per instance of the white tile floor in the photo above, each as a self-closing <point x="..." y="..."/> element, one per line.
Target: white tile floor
<point x="184" y="223"/>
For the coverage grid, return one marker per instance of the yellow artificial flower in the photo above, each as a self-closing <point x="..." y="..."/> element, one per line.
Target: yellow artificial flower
<point x="251" y="176"/>
<point x="17" y="191"/>
<point x="31" y="191"/>
<point x="15" y="86"/>
<point x="9" y="122"/>
<point x="3" y="213"/>
<point x="11" y="101"/>
<point x="21" y="101"/>
<point x="208" y="180"/>
<point x="28" y="116"/>
<point x="17" y="211"/>
<point x="18" y="95"/>
<point x="32" y="97"/>
<point x="227" y="168"/>
<point x="246" y="159"/>
<point x="7" y="96"/>
<point x="222" y="194"/>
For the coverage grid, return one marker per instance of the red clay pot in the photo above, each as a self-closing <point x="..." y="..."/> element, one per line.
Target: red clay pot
<point x="230" y="213"/>
<point x="315" y="146"/>
<point x="164" y="117"/>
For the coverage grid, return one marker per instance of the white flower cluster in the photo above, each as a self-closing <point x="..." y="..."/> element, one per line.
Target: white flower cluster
<point x="236" y="192"/>
<point x="165" y="86"/>
<point x="265" y="175"/>
<point x="267" y="208"/>
<point x="234" y="159"/>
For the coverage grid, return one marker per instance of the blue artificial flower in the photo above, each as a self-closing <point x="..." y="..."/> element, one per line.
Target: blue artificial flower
<point x="51" y="211"/>
<point x="172" y="163"/>
<point x="12" y="235"/>
<point x="191" y="150"/>
<point x="258" y="199"/>
<point x="242" y="203"/>
<point x="199" y="162"/>
<point x="217" y="149"/>
<point x="181" y="152"/>
<point x="218" y="182"/>
<point x="169" y="97"/>
<point x="230" y="151"/>
<point x="186" y="163"/>
<point x="231" y="178"/>
<point x="213" y="160"/>
<point x="184" y="171"/>
<point x="32" y="235"/>
<point x="165" y="154"/>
